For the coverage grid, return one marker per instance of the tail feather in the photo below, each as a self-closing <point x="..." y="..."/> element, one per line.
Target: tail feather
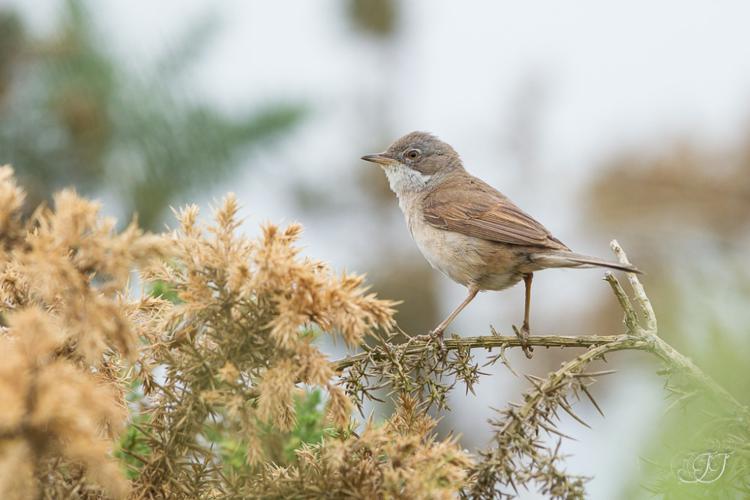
<point x="571" y="259"/>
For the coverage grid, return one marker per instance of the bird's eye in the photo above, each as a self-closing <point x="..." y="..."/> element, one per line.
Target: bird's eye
<point x="412" y="154"/>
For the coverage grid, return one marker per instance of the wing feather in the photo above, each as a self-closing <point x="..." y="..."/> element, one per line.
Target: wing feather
<point x="467" y="205"/>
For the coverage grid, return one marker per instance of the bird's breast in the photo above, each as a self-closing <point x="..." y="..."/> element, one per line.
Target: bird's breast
<point x="464" y="259"/>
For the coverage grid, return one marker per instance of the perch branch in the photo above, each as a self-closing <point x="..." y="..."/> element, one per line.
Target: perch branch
<point x="490" y="342"/>
<point x="637" y="337"/>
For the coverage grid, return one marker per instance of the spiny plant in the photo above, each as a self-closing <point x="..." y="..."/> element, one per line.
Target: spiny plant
<point x="66" y="330"/>
<point x="236" y="344"/>
<point x="208" y="383"/>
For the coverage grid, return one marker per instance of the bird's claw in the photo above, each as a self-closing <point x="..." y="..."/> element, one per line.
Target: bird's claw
<point x="523" y="334"/>
<point x="434" y="335"/>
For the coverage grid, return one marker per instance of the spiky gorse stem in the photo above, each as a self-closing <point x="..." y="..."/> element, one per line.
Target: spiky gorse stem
<point x="520" y="457"/>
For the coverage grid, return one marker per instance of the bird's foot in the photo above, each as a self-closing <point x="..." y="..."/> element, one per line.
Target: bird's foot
<point x="523" y="334"/>
<point x="434" y="335"/>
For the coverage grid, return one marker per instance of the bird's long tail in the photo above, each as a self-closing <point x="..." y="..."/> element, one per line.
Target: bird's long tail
<point x="571" y="259"/>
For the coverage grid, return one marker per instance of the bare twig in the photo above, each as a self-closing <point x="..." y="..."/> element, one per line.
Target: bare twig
<point x="631" y="319"/>
<point x="640" y="294"/>
<point x="660" y="348"/>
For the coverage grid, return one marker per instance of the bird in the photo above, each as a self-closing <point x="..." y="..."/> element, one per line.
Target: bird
<point x="467" y="229"/>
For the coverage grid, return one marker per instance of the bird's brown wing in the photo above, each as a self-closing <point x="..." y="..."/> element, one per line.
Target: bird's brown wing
<point x="469" y="206"/>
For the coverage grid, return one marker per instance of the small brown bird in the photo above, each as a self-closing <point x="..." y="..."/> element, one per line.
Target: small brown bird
<point x="467" y="229"/>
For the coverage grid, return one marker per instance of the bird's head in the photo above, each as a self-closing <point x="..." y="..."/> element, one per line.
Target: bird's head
<point x="416" y="161"/>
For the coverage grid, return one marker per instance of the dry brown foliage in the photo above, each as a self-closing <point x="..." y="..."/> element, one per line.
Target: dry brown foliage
<point x="400" y="459"/>
<point x="204" y="367"/>
<point x="236" y="344"/>
<point x="62" y="275"/>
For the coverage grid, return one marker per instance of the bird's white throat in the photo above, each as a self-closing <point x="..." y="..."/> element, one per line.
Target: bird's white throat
<point x="404" y="179"/>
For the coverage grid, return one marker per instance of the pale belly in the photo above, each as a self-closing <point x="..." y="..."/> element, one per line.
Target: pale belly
<point x="467" y="260"/>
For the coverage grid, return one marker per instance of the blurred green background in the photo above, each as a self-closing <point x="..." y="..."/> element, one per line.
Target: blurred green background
<point x="602" y="121"/>
<point x="74" y="114"/>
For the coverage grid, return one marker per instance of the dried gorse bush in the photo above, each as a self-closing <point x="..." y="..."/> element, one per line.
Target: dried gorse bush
<point x="224" y="349"/>
<point x="236" y="341"/>
<point x="206" y="383"/>
<point x="400" y="459"/>
<point x="65" y="331"/>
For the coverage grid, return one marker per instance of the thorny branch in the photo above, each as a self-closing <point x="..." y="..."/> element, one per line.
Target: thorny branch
<point x="656" y="345"/>
<point x="486" y="342"/>
<point x="518" y="455"/>
<point x="637" y="337"/>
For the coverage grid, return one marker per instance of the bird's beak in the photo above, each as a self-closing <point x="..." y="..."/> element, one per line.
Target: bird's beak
<point x="380" y="159"/>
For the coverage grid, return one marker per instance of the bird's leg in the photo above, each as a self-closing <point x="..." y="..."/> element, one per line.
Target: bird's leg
<point x="527" y="303"/>
<point x="525" y="330"/>
<point x="438" y="330"/>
